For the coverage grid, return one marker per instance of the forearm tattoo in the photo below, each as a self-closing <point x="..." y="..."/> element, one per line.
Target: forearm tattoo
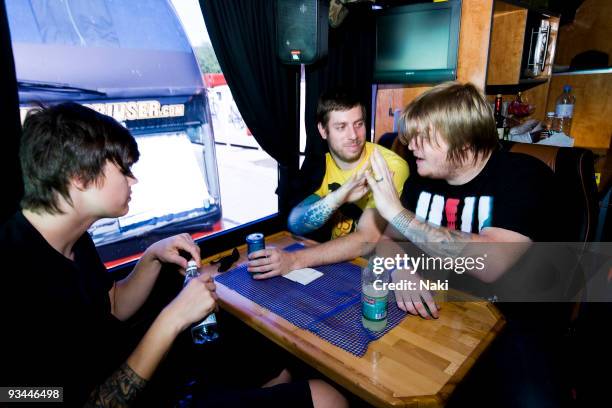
<point x="436" y="241"/>
<point x="119" y="390"/>
<point x="311" y="216"/>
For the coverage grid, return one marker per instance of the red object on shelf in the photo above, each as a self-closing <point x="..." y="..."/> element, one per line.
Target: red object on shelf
<point x="519" y="108"/>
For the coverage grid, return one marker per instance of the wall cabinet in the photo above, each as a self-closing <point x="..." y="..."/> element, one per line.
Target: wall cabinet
<point x="522" y="45"/>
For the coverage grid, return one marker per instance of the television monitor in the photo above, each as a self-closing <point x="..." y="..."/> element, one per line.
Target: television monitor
<point x="417" y="43"/>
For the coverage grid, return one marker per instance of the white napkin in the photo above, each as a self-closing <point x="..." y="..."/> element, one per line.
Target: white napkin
<point x="558" y="139"/>
<point x="303" y="276"/>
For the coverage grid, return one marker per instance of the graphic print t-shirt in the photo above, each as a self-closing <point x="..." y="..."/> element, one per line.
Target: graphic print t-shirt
<point x="344" y="221"/>
<point x="513" y="192"/>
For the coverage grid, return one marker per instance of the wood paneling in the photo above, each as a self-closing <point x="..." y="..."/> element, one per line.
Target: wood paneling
<point x="393" y="97"/>
<point x="590" y="30"/>
<point x="474" y="41"/>
<point x="471" y="63"/>
<point x="506" y="44"/>
<point x="416" y="364"/>
<point x="591" y="125"/>
<point x="537" y="96"/>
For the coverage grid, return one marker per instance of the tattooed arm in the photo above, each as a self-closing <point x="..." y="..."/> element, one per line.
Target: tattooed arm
<point x="119" y="390"/>
<point x="437" y="241"/>
<point x="196" y="300"/>
<point x="440" y="241"/>
<point x="312" y="213"/>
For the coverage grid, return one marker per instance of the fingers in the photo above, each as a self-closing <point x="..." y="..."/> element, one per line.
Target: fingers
<point x="209" y="283"/>
<point x="371" y="181"/>
<point x="431" y="304"/>
<point x="414" y="303"/>
<point x="267" y="253"/>
<point x="167" y="250"/>
<point x="360" y="174"/>
<point x="402" y="302"/>
<point x="380" y="166"/>
<point x="418" y="305"/>
<point x="419" y="300"/>
<point x="186" y="243"/>
<point x="266" y="275"/>
<point x="177" y="259"/>
<point x="268" y="261"/>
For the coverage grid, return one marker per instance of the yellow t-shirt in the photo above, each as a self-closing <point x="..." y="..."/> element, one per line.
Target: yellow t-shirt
<point x="346" y="217"/>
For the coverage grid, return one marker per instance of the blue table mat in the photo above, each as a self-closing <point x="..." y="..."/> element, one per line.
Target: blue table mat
<point x="329" y="307"/>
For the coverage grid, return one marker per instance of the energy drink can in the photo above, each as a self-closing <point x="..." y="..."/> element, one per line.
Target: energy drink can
<point x="255" y="242"/>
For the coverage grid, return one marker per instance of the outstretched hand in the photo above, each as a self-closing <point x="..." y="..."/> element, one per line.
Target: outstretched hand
<point x="354" y="189"/>
<point x="380" y="181"/>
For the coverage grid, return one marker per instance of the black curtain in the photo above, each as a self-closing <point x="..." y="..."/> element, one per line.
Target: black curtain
<point x="242" y="33"/>
<point x="350" y="64"/>
<point x="12" y="186"/>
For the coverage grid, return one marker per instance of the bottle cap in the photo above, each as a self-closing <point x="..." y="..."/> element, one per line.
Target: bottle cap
<point x="192" y="264"/>
<point x="498" y="96"/>
<point x="567" y="88"/>
<point x="550" y="114"/>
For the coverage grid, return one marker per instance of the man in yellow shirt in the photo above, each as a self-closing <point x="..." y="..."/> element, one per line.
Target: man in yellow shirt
<point x="343" y="198"/>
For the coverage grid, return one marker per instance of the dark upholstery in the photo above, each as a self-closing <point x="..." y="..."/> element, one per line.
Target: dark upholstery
<point x="387" y="139"/>
<point x="574" y="172"/>
<point x="577" y="201"/>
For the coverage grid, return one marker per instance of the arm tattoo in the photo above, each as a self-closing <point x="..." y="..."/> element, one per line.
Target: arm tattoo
<point x="311" y="214"/>
<point x="119" y="390"/>
<point x="437" y="241"/>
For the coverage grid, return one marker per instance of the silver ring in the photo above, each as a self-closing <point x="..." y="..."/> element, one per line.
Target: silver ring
<point x="379" y="180"/>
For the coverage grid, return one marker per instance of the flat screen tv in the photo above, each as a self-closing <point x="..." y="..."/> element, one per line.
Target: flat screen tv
<point x="417" y="43"/>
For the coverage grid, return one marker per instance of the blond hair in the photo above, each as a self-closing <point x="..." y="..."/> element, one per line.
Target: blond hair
<point x="459" y="113"/>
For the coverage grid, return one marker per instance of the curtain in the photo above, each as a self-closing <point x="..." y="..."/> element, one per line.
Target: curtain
<point x="350" y="64"/>
<point x="12" y="188"/>
<point x="242" y="33"/>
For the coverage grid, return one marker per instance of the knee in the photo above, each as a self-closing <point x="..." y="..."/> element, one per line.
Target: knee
<point x="324" y="395"/>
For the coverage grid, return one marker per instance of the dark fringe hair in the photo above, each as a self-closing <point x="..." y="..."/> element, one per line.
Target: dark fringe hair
<point x="65" y="141"/>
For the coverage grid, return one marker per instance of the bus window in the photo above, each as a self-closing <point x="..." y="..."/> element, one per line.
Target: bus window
<point x="140" y="62"/>
<point x="131" y="61"/>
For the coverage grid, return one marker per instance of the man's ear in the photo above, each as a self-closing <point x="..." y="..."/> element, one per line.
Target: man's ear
<point x="322" y="131"/>
<point x="81" y="184"/>
<point x="78" y="183"/>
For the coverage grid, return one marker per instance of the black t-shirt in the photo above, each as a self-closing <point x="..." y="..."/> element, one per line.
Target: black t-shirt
<point x="513" y="191"/>
<point x="56" y="314"/>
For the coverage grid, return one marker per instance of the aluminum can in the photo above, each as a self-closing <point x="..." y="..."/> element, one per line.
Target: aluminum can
<point x="255" y="242"/>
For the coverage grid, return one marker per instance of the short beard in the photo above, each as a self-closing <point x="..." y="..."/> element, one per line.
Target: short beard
<point x="347" y="159"/>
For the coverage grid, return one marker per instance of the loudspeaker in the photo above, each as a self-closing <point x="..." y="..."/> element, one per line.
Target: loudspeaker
<point x="301" y="30"/>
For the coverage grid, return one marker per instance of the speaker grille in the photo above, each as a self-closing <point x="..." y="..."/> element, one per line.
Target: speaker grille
<point x="299" y="31"/>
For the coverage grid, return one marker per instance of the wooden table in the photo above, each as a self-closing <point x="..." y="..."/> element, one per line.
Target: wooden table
<point x="417" y="363"/>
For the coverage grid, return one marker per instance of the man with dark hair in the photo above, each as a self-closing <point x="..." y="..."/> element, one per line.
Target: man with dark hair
<point x="60" y="309"/>
<point x="468" y="192"/>
<point x="342" y="199"/>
